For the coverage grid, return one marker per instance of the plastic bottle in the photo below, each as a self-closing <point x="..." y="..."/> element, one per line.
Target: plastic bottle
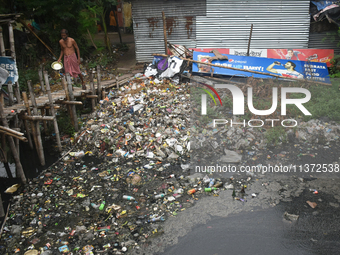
<point x="94" y="205"/>
<point x="128" y="197"/>
<point x="160" y="195"/>
<point x="156" y="219"/>
<point x="209" y="189"/>
<point x="212" y="182"/>
<point x="192" y="191"/>
<point x="101" y="207"/>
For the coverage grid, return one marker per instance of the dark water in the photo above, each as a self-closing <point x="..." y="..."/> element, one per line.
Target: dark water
<point x="267" y="232"/>
<point x="31" y="165"/>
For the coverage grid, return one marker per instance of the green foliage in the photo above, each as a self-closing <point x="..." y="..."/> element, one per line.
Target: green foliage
<point x="26" y="75"/>
<point x="275" y="135"/>
<point x="324" y="103"/>
<point x="333" y="71"/>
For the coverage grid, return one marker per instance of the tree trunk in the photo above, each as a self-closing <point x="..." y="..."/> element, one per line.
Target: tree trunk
<point x="106" y="38"/>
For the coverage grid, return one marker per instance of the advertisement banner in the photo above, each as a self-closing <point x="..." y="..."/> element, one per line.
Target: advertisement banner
<point x="10" y="66"/>
<point x="312" y="55"/>
<point x="285" y="68"/>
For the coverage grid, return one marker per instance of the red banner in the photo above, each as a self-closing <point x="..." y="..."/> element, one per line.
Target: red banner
<point x="312" y="55"/>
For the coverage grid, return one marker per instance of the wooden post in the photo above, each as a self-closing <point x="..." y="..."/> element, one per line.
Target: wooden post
<point x="12" y="47"/>
<point x="103" y="94"/>
<point x="251" y="32"/>
<point x="2" y="45"/>
<point x="55" y="123"/>
<point x="43" y="113"/>
<point x="164" y="30"/>
<point x="69" y="110"/>
<point x="19" y="169"/>
<point x="117" y="83"/>
<point x="2" y="101"/>
<point x="73" y="107"/>
<point x="8" y="170"/>
<point x="10" y="93"/>
<point x="11" y="40"/>
<point x="40" y="148"/>
<point x="99" y="86"/>
<point x="16" y="125"/>
<point x="28" y="134"/>
<point x="2" y="211"/>
<point x="93" y="92"/>
<point x="40" y="72"/>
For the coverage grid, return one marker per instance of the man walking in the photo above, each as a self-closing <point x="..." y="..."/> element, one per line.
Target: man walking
<point x="68" y="47"/>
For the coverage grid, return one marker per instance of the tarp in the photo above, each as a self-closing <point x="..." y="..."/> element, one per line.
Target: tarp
<point x="313" y="55"/>
<point x="9" y="64"/>
<point x="285" y="68"/>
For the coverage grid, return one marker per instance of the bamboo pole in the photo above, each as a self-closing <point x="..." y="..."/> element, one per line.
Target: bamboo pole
<point x="11" y="40"/>
<point x="2" y="45"/>
<point x="117" y="83"/>
<point x="164" y="32"/>
<point x="99" y="86"/>
<point x="43" y="114"/>
<point x="249" y="71"/>
<point x="16" y="125"/>
<point x="73" y="107"/>
<point x="33" y="127"/>
<point x="24" y="139"/>
<point x="10" y="93"/>
<point x="19" y="169"/>
<point x="93" y="92"/>
<point x="28" y="134"/>
<point x="46" y="107"/>
<point x="251" y="32"/>
<point x="55" y="123"/>
<point x="40" y="148"/>
<point x="2" y="101"/>
<point x="9" y="130"/>
<point x="92" y="97"/>
<point x="69" y="110"/>
<point x="37" y="118"/>
<point x="71" y="102"/>
<point x="2" y="211"/>
<point x="13" y="55"/>
<point x="40" y="72"/>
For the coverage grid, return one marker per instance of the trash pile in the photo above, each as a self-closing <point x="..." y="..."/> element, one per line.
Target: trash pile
<point x="126" y="173"/>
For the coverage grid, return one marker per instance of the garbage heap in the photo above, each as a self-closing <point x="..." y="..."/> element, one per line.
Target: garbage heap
<point x="126" y="172"/>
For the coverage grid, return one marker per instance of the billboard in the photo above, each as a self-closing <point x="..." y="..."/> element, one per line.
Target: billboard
<point x="282" y="67"/>
<point x="312" y="55"/>
<point x="10" y="66"/>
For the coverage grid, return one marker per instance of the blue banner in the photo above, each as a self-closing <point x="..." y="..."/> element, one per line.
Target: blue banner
<point x="9" y="64"/>
<point x="285" y="68"/>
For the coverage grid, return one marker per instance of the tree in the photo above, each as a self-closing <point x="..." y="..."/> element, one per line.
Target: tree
<point x="102" y="7"/>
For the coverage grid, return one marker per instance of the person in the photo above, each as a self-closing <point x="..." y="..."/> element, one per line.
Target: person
<point x="68" y="49"/>
<point x="291" y="54"/>
<point x="289" y="72"/>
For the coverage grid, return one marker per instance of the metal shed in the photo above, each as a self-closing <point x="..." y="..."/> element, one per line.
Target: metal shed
<point x="220" y="23"/>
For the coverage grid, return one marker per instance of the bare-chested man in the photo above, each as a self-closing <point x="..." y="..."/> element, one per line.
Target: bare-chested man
<point x="71" y="63"/>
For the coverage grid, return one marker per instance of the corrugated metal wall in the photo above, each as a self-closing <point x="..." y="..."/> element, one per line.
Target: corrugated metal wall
<point x="220" y="23"/>
<point x="324" y="41"/>
<point x="148" y="24"/>
<point x="277" y="24"/>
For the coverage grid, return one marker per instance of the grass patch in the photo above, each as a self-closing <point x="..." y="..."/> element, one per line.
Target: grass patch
<point x="276" y="135"/>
